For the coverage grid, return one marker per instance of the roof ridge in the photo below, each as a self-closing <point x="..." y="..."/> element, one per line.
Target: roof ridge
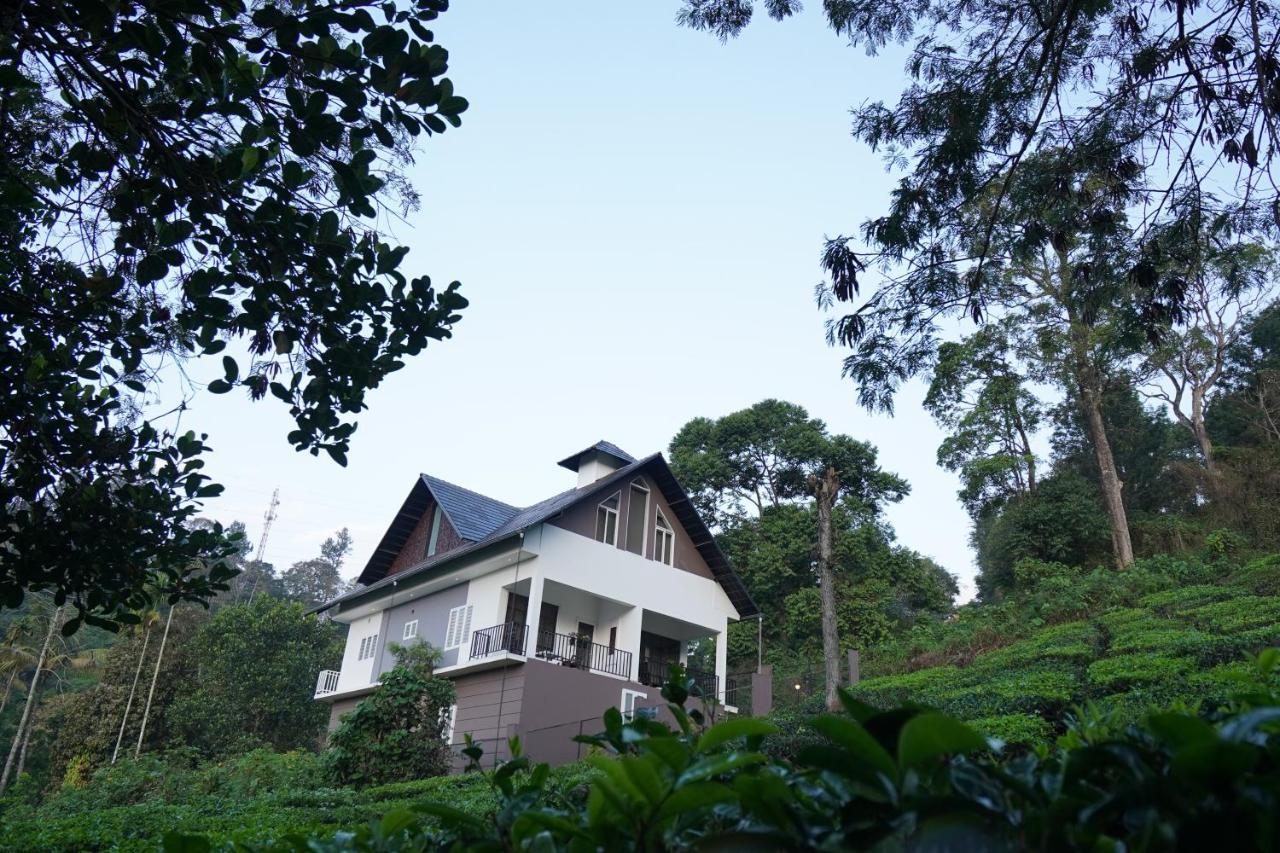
<point x="469" y="491"/>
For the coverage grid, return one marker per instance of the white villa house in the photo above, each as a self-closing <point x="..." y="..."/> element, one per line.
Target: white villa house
<point x="547" y="615"/>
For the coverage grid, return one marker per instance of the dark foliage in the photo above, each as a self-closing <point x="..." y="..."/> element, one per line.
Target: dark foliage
<point x="179" y="180"/>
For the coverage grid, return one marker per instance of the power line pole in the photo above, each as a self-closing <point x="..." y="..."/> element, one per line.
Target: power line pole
<point x="267" y="518"/>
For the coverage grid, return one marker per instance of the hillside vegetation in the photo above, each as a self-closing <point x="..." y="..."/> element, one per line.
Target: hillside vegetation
<point x="1165" y="632"/>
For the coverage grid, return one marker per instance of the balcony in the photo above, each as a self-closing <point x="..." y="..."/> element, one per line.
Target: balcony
<point x="570" y="650"/>
<point x="508" y="637"/>
<point x="655" y="671"/>
<point x="327" y="683"/>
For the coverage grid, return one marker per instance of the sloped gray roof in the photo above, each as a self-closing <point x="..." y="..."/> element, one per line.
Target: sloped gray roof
<point x="508" y="521"/>
<point x="473" y="515"/>
<point x="571" y="462"/>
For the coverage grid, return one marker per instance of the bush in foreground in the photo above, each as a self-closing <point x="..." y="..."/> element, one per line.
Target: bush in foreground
<point x="904" y="778"/>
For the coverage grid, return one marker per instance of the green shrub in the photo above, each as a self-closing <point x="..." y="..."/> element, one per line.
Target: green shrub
<point x="1172" y="601"/>
<point x="1128" y="670"/>
<point x="1260" y="576"/>
<point x="1070" y="641"/>
<point x="898" y="779"/>
<point x="1015" y="729"/>
<point x="1040" y="690"/>
<point x="1238" y="614"/>
<point x="1170" y="639"/>
<point x="922" y="686"/>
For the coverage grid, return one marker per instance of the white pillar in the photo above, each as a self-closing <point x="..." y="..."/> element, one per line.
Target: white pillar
<point x="629" y="638"/>
<point x="722" y="659"/>
<point x="534" y="615"/>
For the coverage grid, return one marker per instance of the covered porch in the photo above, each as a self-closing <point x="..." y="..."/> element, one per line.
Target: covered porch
<point x="566" y="626"/>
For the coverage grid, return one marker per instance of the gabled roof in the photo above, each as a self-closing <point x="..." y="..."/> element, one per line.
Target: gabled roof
<point x="509" y="522"/>
<point x="606" y="447"/>
<point x="472" y="514"/>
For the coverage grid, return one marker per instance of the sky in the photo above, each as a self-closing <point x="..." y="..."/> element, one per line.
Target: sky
<point x="636" y="214"/>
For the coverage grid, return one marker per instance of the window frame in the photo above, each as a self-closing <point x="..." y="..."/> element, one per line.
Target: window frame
<point x="628" y="703"/>
<point x="461" y="627"/>
<point x="617" y="518"/>
<point x="433" y="540"/>
<point x="368" y="648"/>
<point x="658" y="532"/>
<point x="410" y="635"/>
<point x="451" y="723"/>
<point x="638" y="484"/>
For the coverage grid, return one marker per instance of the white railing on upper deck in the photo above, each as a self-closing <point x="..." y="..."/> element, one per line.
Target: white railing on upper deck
<point x="327" y="682"/>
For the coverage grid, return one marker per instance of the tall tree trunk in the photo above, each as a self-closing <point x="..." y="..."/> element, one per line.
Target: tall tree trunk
<point x="8" y="690"/>
<point x="22" y="753"/>
<point x="1200" y="430"/>
<point x="146" y="638"/>
<point x="31" y="700"/>
<point x="155" y="675"/>
<point x="1112" y="487"/>
<point x="826" y="489"/>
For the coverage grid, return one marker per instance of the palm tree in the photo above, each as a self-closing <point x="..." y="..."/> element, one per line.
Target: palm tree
<point x="149" y="619"/>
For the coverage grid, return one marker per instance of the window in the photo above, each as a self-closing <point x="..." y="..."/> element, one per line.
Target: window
<point x="459" y="628"/>
<point x="629" y="698"/>
<point x="607" y="520"/>
<point x="435" y="533"/>
<point x="368" y="646"/>
<point x="637" y="516"/>
<point x="664" y="541"/>
<point x="449" y="716"/>
<point x="411" y="629"/>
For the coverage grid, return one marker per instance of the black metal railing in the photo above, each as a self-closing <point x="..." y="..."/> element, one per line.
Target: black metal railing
<point x="507" y="637"/>
<point x="654" y="672"/>
<point x="579" y="651"/>
<point x="737" y="691"/>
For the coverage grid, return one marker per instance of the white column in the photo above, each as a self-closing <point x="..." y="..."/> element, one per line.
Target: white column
<point x="629" y="638"/>
<point x="534" y="615"/>
<point x="722" y="659"/>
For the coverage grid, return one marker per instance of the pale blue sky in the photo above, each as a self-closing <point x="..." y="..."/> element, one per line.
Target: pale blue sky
<point x="636" y="213"/>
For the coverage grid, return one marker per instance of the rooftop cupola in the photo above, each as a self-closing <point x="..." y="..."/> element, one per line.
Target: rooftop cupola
<point x="597" y="461"/>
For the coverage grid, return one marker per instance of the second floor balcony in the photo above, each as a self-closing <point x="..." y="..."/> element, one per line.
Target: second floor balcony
<point x="572" y="650"/>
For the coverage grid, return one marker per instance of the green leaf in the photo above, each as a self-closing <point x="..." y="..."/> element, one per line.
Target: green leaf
<point x="715" y="765"/>
<point x="927" y="737"/>
<point x="739" y="727"/>
<point x="691" y="798"/>
<point x="219" y="386"/>
<point x="857" y="741"/>
<point x="180" y="842"/>
<point x="230" y="368"/>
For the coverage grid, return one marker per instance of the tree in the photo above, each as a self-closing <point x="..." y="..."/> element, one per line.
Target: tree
<point x="398" y="733"/>
<point x="1187" y="369"/>
<point x="772" y="453"/>
<point x="148" y="622"/>
<point x="182" y="181"/>
<point x="1174" y="99"/>
<point x="318" y="580"/>
<point x="21" y="735"/>
<point x="978" y="394"/>
<point x="256" y="681"/>
<point x="155" y="676"/>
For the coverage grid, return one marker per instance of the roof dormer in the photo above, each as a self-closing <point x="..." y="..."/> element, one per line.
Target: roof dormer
<point x="597" y="462"/>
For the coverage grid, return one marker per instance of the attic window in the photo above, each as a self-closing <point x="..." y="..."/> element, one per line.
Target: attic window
<point x="664" y="540"/>
<point x="637" y="516"/>
<point x="607" y="520"/>
<point x="435" y="533"/>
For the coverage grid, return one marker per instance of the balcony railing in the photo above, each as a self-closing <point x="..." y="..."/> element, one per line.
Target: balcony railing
<point x="655" y="671"/>
<point x="579" y="651"/>
<point x="327" y="682"/>
<point x="508" y="637"/>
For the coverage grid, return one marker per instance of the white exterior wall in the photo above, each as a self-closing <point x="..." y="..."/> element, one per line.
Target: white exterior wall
<point x="620" y="576"/>
<point x="359" y="673"/>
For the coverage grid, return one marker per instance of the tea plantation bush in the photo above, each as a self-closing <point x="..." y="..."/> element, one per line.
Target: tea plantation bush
<point x="256" y="797"/>
<point x="1167" y="632"/>
<point x="905" y="778"/>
